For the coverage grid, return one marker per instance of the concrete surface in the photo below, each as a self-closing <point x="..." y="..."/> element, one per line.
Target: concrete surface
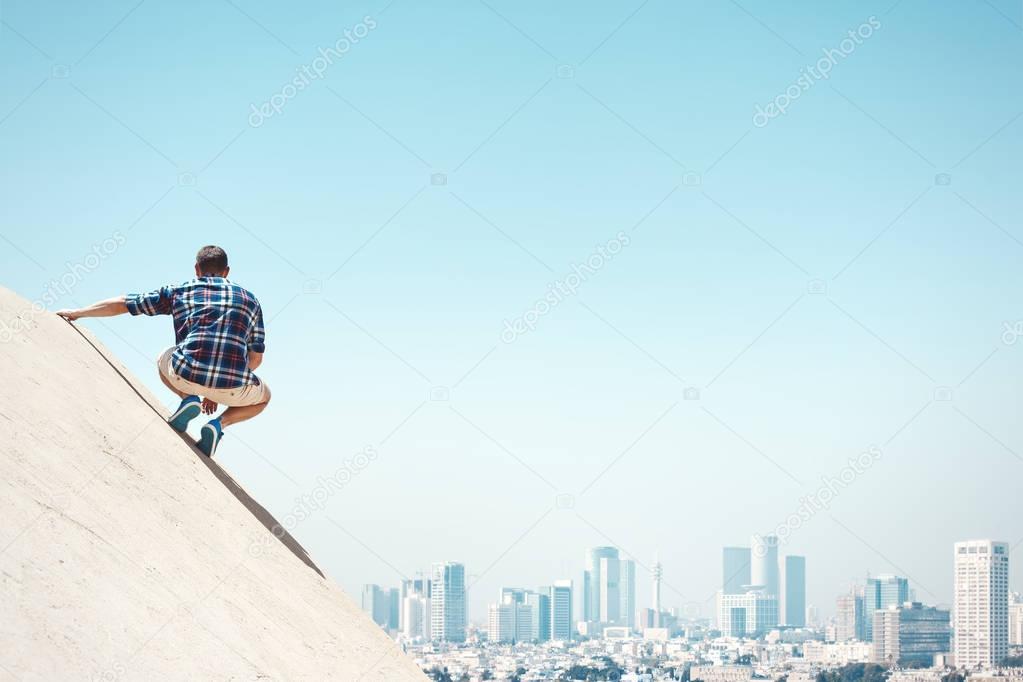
<point x="126" y="555"/>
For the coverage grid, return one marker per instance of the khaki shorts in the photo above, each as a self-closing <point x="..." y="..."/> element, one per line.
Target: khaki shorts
<point x="251" y="394"/>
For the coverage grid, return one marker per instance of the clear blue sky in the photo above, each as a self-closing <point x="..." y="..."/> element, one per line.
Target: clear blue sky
<point x="557" y="125"/>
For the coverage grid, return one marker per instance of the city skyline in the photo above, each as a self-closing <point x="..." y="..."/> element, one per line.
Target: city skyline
<point x="478" y="597"/>
<point x="875" y="592"/>
<point x="879" y="621"/>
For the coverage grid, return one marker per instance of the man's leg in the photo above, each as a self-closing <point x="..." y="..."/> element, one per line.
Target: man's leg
<point x="168" y="384"/>
<point x="258" y="397"/>
<point x="233" y="415"/>
<point x="190" y="406"/>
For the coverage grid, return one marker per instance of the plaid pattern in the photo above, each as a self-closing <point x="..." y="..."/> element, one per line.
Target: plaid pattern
<point x="216" y="324"/>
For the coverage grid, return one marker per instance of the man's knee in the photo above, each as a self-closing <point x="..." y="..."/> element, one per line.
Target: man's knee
<point x="266" y="396"/>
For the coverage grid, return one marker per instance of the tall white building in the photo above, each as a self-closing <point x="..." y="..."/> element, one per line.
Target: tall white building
<point x="850" y="618"/>
<point x="415" y="608"/>
<point x="415" y="617"/>
<point x="609" y="588"/>
<point x="447" y="604"/>
<point x="594" y="581"/>
<point x="610" y="597"/>
<point x="981" y="603"/>
<point x="501" y="622"/>
<point x="511" y="621"/>
<point x="764" y="564"/>
<point x="626" y="593"/>
<point x="561" y="611"/>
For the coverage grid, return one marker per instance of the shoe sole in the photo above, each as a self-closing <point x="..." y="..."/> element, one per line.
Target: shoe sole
<point x="179" y="420"/>
<point x="208" y="440"/>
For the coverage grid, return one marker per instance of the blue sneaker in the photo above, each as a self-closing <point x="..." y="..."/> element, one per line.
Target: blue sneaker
<point x="186" y="412"/>
<point x="210" y="437"/>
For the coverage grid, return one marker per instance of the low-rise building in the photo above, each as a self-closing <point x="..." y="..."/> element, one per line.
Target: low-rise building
<point x="721" y="673"/>
<point x="750" y="614"/>
<point x="910" y="634"/>
<point x="837" y="653"/>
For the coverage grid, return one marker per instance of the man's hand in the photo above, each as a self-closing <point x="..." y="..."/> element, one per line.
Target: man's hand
<point x="208" y="406"/>
<point x="70" y="315"/>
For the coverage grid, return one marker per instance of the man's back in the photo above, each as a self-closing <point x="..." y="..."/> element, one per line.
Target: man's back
<point x="216" y="324"/>
<point x="218" y="341"/>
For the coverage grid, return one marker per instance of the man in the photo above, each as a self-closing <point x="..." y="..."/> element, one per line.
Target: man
<point x="219" y="341"/>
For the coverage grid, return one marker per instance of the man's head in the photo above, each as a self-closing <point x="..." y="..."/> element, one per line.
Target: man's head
<point x="211" y="261"/>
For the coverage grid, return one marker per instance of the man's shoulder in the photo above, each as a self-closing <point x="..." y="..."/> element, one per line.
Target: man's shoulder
<point x="241" y="292"/>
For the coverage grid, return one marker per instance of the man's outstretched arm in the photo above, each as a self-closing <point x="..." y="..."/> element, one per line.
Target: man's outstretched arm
<point x="107" y="308"/>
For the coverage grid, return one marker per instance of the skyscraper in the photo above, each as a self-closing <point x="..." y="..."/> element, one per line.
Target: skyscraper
<point x="981" y="602"/>
<point x="376" y="603"/>
<point x="764" y="564"/>
<point x="887" y="590"/>
<point x="626" y="593"/>
<point x="735" y="570"/>
<point x="447" y="605"/>
<point x="394" y="609"/>
<point x="518" y="616"/>
<point x="561" y="611"/>
<point x="594" y="582"/>
<point x="849" y="618"/>
<point x="540" y="601"/>
<point x="880" y="593"/>
<point x="656" y="591"/>
<point x="610" y="596"/>
<point x="501" y="622"/>
<point x="794" y="592"/>
<point x="524" y="621"/>
<point x="415" y="617"/>
<point x="415" y="607"/>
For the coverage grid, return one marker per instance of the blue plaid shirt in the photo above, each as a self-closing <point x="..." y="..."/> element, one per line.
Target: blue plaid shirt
<point x="216" y="324"/>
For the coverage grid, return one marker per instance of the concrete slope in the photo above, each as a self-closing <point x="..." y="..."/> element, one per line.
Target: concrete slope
<point x="126" y="555"/>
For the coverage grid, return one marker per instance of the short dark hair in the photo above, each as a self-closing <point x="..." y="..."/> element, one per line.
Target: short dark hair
<point x="211" y="260"/>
